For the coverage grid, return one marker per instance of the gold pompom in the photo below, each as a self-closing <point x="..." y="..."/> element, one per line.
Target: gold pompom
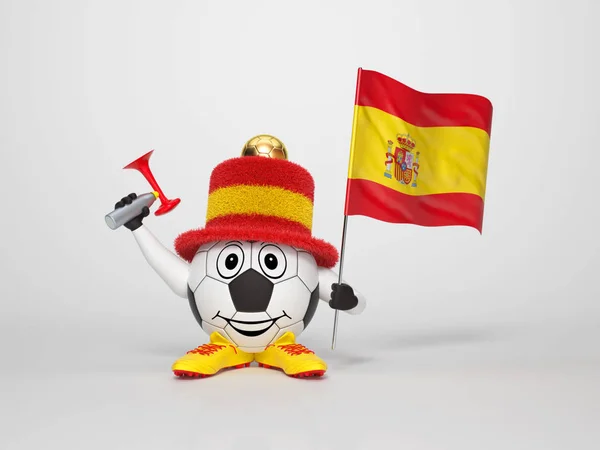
<point x="265" y="145"/>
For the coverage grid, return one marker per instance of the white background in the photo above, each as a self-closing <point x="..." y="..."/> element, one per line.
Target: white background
<point x="468" y="341"/>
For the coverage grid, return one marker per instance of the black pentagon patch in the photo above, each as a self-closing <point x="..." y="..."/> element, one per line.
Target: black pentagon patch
<point x="193" y="306"/>
<point x="312" y="306"/>
<point x="251" y="292"/>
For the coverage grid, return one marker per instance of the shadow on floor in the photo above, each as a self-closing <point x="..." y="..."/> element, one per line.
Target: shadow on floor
<point x="433" y="338"/>
<point x="351" y="352"/>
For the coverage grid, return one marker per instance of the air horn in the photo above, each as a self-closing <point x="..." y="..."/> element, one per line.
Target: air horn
<point x="122" y="215"/>
<point x="142" y="165"/>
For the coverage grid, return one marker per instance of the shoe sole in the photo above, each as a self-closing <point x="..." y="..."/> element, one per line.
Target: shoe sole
<point x="307" y="374"/>
<point x="189" y="374"/>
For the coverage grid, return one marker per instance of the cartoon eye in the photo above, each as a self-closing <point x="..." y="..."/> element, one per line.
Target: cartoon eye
<point x="230" y="261"/>
<point x="272" y="261"/>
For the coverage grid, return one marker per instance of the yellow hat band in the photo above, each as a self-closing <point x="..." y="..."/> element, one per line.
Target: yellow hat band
<point x="262" y="200"/>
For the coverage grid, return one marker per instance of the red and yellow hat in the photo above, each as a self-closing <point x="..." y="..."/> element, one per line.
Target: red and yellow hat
<point x="254" y="198"/>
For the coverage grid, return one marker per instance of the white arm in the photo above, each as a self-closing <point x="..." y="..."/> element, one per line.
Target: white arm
<point x="326" y="278"/>
<point x="173" y="270"/>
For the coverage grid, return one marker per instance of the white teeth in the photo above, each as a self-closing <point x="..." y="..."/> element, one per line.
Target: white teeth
<point x="251" y="327"/>
<point x="251" y="317"/>
<point x="251" y="321"/>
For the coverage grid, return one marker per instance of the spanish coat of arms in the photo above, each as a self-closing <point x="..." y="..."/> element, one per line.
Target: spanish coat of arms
<point x="404" y="159"/>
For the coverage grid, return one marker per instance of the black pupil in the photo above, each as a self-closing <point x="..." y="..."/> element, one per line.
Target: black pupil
<point x="271" y="261"/>
<point x="231" y="261"/>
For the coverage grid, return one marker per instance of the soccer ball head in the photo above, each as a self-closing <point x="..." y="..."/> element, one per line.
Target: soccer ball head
<point x="253" y="292"/>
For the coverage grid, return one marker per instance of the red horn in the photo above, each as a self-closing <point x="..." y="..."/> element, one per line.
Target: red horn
<point x="142" y="165"/>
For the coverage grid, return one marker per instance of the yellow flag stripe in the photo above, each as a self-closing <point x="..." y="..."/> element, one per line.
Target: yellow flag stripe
<point x="451" y="159"/>
<point x="261" y="200"/>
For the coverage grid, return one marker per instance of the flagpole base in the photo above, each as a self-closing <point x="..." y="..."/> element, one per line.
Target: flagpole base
<point x="342" y="251"/>
<point x="335" y="325"/>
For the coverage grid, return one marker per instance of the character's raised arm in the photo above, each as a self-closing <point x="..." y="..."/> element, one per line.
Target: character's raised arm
<point x="173" y="270"/>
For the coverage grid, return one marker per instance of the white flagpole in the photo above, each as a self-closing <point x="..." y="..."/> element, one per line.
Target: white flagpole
<point x="343" y="248"/>
<point x="337" y="311"/>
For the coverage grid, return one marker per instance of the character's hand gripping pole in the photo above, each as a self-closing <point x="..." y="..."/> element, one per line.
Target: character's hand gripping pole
<point x="122" y="215"/>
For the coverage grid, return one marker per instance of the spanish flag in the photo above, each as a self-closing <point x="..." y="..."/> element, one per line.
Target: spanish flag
<point x="415" y="157"/>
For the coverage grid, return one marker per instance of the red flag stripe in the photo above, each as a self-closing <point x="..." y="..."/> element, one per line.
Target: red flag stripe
<point x="422" y="109"/>
<point x="367" y="198"/>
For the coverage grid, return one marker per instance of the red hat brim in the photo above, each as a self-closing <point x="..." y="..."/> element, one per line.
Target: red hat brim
<point x="188" y="243"/>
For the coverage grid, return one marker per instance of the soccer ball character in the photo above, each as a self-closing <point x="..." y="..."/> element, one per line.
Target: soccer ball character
<point x="254" y="275"/>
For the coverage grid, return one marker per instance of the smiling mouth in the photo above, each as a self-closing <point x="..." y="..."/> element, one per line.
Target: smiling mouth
<point x="251" y="333"/>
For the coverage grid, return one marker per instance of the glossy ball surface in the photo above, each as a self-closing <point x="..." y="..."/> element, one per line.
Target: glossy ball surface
<point x="265" y="145"/>
<point x="253" y="292"/>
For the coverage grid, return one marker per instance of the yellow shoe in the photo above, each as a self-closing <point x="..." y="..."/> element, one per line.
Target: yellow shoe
<point x="294" y="359"/>
<point x="208" y="359"/>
